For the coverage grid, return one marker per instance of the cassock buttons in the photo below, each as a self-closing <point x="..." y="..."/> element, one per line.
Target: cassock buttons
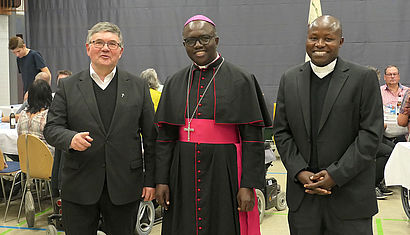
<point x="199" y="161"/>
<point x="200" y="228"/>
<point x="199" y="180"/>
<point x="198" y="151"/>
<point x="199" y="208"/>
<point x="202" y="86"/>
<point x="199" y="114"/>
<point x="200" y="105"/>
<point x="199" y="171"/>
<point x="199" y="218"/>
<point x="200" y="96"/>
<point x="203" y="78"/>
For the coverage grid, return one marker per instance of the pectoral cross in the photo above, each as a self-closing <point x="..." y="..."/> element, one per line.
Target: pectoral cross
<point x="189" y="129"/>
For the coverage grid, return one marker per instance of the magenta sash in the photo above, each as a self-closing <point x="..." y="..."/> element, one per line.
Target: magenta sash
<point x="206" y="131"/>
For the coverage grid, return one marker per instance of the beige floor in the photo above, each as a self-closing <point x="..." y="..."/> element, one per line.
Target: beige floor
<point x="390" y="220"/>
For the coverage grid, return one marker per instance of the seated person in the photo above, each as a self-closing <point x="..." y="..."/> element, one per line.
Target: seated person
<point x="63" y="74"/>
<point x="33" y="119"/>
<point x="403" y="118"/>
<point x="41" y="75"/>
<point x="392" y="94"/>
<point x="151" y="77"/>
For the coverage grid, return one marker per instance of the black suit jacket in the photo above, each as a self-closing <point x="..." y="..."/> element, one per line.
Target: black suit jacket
<point x="350" y="130"/>
<point x="115" y="155"/>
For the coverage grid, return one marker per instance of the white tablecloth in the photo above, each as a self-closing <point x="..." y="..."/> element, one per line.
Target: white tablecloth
<point x="8" y="139"/>
<point x="397" y="171"/>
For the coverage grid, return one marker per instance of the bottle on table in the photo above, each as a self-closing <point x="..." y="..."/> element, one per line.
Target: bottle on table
<point x="12" y="119"/>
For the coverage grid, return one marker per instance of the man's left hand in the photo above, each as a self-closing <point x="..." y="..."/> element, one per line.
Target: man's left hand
<point x="322" y="180"/>
<point x="148" y="193"/>
<point x="246" y="199"/>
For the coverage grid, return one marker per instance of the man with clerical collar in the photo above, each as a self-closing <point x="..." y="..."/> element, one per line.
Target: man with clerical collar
<point x="327" y="128"/>
<point x="210" y="153"/>
<point x="99" y="118"/>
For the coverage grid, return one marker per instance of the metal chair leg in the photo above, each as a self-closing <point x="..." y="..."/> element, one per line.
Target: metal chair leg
<point x="22" y="200"/>
<point x="4" y="191"/>
<point x="38" y="185"/>
<point x="51" y="194"/>
<point x="11" y="194"/>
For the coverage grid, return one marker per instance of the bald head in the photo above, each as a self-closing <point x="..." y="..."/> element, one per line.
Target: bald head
<point x="327" y="21"/>
<point x="44" y="76"/>
<point x="324" y="38"/>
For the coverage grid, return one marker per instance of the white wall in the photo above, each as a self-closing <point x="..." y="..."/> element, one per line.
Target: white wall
<point x="4" y="61"/>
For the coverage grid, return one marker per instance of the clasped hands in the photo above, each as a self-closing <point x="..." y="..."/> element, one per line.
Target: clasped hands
<point x="320" y="183"/>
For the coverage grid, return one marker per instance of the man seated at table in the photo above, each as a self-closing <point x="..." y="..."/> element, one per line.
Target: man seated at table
<point x="392" y="95"/>
<point x="41" y="75"/>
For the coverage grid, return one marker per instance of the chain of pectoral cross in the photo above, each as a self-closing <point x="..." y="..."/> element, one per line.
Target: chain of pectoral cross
<point x="189" y="83"/>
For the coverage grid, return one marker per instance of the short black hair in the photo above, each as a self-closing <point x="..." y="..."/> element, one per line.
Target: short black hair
<point x="39" y="96"/>
<point x="391" y="66"/>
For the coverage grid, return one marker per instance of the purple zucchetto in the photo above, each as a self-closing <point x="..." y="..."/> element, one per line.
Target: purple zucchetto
<point x="199" y="17"/>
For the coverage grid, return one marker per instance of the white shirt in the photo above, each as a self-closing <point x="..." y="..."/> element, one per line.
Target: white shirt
<point x="107" y="79"/>
<point x="321" y="72"/>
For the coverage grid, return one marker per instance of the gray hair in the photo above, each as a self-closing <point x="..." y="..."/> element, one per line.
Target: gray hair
<point x="151" y="77"/>
<point x="104" y="27"/>
<point x="44" y="76"/>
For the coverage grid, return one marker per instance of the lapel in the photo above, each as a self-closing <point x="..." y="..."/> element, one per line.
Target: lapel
<point x="339" y="77"/>
<point x="303" y="84"/>
<point x="86" y="88"/>
<point x="123" y="95"/>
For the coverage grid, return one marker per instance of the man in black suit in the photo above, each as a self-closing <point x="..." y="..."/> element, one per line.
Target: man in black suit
<point x="328" y="126"/>
<point x="97" y="118"/>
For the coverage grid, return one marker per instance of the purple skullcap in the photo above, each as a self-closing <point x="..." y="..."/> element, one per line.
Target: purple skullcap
<point x="199" y="17"/>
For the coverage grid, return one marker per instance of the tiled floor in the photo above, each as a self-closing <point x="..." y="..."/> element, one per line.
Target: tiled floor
<point x="390" y="220"/>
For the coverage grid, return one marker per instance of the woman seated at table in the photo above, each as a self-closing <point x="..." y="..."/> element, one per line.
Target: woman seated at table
<point x="33" y="119"/>
<point x="403" y="118"/>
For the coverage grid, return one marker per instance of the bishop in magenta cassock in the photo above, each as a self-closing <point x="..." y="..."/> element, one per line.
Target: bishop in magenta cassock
<point x="210" y="154"/>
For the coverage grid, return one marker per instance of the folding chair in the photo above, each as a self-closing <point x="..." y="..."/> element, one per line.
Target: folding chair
<point x="12" y="170"/>
<point x="36" y="161"/>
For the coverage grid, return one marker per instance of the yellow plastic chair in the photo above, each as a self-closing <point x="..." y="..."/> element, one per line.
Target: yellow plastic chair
<point x="36" y="161"/>
<point x="12" y="170"/>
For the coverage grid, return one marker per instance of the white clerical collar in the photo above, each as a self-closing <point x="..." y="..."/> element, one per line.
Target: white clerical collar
<point x="107" y="79"/>
<point x="206" y="66"/>
<point x="322" y="72"/>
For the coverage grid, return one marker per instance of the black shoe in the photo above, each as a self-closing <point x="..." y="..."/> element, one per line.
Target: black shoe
<point x="383" y="188"/>
<point x="379" y="194"/>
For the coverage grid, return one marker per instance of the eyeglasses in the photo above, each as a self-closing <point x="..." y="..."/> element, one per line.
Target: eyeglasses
<point x="391" y="74"/>
<point x="113" y="45"/>
<point x="203" y="40"/>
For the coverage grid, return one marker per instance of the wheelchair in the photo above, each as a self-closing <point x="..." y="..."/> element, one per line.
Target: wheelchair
<point x="405" y="199"/>
<point x="271" y="195"/>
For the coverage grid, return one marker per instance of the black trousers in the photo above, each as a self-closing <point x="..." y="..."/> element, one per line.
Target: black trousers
<point x="382" y="155"/>
<point x="314" y="217"/>
<point x="85" y="219"/>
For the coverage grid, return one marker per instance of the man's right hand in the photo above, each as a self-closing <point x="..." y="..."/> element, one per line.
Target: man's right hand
<point x="306" y="178"/>
<point x="81" y="141"/>
<point x="162" y="195"/>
